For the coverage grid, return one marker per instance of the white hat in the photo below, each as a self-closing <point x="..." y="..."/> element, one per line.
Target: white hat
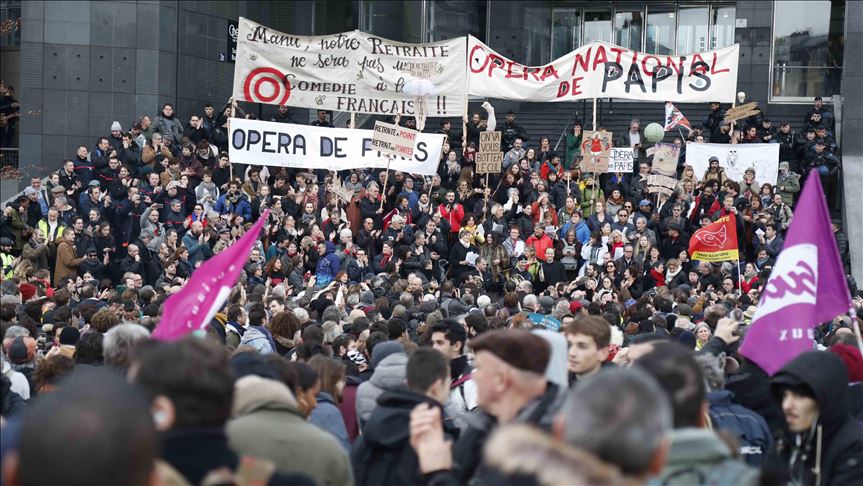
<point x="116" y="126"/>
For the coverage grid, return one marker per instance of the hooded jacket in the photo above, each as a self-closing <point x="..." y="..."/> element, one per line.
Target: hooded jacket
<point x="841" y="444"/>
<point x="389" y="375"/>
<point x="383" y="455"/>
<point x="268" y="425"/>
<point x="699" y="456"/>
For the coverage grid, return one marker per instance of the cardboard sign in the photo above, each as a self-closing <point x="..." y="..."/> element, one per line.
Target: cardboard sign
<point x="310" y="147"/>
<point x="394" y="140"/>
<point x="621" y="160"/>
<point x="601" y="70"/>
<point x="661" y="184"/>
<point x="741" y="112"/>
<point x="665" y="158"/>
<point x="489" y="158"/>
<point x="595" y="149"/>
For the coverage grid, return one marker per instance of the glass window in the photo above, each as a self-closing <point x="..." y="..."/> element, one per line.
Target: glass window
<point x="597" y="25"/>
<point x="660" y="30"/>
<point x="627" y="29"/>
<point x="692" y="29"/>
<point x="807" y="48"/>
<point x="723" y="27"/>
<point x="565" y="24"/>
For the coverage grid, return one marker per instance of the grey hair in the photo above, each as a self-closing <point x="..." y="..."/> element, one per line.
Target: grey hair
<point x="713" y="368"/>
<point x="120" y="341"/>
<point x="622" y="417"/>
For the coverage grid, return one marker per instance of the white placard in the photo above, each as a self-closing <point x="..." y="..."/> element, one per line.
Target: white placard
<point x="310" y="147"/>
<point x="736" y="158"/>
<point x="394" y="140"/>
<point x="621" y="159"/>
<point x="602" y="70"/>
<point x="349" y="71"/>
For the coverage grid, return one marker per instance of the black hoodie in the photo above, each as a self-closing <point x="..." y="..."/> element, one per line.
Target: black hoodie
<point x="841" y="444"/>
<point x="383" y="455"/>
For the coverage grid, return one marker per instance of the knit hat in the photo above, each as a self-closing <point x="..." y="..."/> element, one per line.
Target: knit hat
<point x="687" y="339"/>
<point x="546" y="302"/>
<point x="28" y="290"/>
<point x="575" y="306"/>
<point x="850" y="355"/>
<point x="116" y="126"/>
<point x="518" y="348"/>
<point x="69" y="336"/>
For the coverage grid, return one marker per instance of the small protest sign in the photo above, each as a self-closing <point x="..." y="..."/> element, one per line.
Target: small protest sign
<point x="596" y="147"/>
<point x="661" y="184"/>
<point x="741" y="112"/>
<point x="394" y="140"/>
<point x="621" y="160"/>
<point x="489" y="157"/>
<point x="665" y="158"/>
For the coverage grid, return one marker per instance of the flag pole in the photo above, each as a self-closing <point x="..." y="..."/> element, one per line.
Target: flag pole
<point x="593" y="176"/>
<point x="855" y="324"/>
<point x="386" y="179"/>
<point x="739" y="274"/>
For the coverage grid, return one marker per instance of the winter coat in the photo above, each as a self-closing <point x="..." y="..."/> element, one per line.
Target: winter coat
<point x="699" y="456"/>
<point x="170" y="128"/>
<point x="267" y="424"/>
<point x="67" y="262"/>
<point x="388" y="376"/>
<point x="241" y="207"/>
<point x="746" y="426"/>
<point x="327" y="416"/>
<point x="328" y="265"/>
<point x="383" y="455"/>
<point x="35" y="253"/>
<point x="841" y="444"/>
<point x="256" y="338"/>
<point x="788" y="186"/>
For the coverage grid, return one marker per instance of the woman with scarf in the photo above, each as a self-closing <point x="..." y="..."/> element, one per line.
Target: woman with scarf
<point x="207" y="193"/>
<point x="674" y="274"/>
<point x="615" y="200"/>
<point x="190" y="165"/>
<point x="593" y="252"/>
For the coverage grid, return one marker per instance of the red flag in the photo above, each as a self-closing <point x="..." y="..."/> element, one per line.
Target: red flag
<point x="716" y="242"/>
<point x="674" y="118"/>
<point x="197" y="302"/>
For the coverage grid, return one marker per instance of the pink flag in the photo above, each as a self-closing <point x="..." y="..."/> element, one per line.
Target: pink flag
<point x="807" y="286"/>
<point x="674" y="118"/>
<point x="197" y="302"/>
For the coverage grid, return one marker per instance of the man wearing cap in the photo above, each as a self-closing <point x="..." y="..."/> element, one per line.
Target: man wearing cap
<point x="715" y="172"/>
<point x="511" y="387"/>
<point x="787" y="183"/>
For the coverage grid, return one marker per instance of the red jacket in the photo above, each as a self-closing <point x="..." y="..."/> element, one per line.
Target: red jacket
<point x="454" y="217"/>
<point x="540" y="245"/>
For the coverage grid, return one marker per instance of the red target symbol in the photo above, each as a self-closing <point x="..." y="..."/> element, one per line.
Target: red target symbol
<point x="272" y="77"/>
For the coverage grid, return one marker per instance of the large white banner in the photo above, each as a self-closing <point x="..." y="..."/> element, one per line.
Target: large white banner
<point x="350" y="71"/>
<point x="602" y="70"/>
<point x="735" y="159"/>
<point x="310" y="147"/>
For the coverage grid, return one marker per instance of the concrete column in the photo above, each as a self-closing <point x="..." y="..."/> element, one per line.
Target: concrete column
<point x="852" y="141"/>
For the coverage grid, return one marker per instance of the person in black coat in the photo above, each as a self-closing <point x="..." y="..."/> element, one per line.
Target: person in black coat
<point x="458" y="256"/>
<point x="382" y="455"/>
<point x="553" y="271"/>
<point x="813" y="391"/>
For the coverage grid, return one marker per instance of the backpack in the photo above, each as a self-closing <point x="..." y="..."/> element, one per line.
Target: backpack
<point x="459" y="383"/>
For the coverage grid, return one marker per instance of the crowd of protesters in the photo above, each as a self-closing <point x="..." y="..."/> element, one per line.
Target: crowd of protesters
<point x="538" y="326"/>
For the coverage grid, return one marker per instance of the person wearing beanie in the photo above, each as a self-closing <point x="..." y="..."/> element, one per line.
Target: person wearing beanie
<point x="853" y="361"/>
<point x="825" y="445"/>
<point x="28" y="291"/>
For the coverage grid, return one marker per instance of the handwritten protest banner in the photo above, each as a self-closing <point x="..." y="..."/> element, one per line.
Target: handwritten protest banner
<point x="349" y="71"/>
<point x="489" y="157"/>
<point x="665" y="158"/>
<point x="394" y="140"/>
<point x="736" y="158"/>
<point x="621" y="159"/>
<point x="602" y="70"/>
<point x="595" y="147"/>
<point x="311" y="147"/>
<point x="661" y="184"/>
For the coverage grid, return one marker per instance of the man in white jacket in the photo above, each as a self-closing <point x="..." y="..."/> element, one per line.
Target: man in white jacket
<point x="449" y="337"/>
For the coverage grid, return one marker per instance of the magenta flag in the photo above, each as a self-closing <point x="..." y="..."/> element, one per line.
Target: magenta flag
<point x="807" y="286"/>
<point x="197" y="302"/>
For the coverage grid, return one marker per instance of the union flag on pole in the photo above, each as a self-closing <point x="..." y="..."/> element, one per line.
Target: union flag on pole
<point x="674" y="118"/>
<point x="208" y="288"/>
<point x="716" y="242"/>
<point x="806" y="287"/>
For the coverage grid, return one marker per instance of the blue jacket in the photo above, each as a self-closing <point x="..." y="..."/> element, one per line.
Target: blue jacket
<point x="582" y="231"/>
<point x="327" y="416"/>
<point x="241" y="207"/>
<point x="328" y="266"/>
